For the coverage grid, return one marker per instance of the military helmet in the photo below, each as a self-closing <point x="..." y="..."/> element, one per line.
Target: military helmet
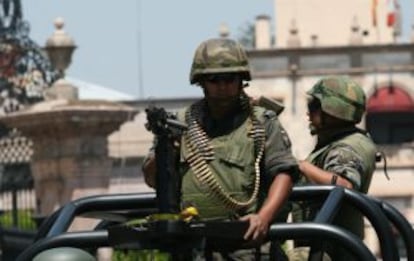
<point x="340" y="97"/>
<point x="219" y="56"/>
<point x="64" y="254"/>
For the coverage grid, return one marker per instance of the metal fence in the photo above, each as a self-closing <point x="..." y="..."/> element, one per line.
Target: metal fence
<point x="17" y="209"/>
<point x="17" y="197"/>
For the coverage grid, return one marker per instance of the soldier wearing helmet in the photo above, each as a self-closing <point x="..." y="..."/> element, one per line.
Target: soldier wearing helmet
<point x="234" y="153"/>
<point x="344" y="155"/>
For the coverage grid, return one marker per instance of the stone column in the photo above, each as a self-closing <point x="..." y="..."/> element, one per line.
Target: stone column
<point x="70" y="158"/>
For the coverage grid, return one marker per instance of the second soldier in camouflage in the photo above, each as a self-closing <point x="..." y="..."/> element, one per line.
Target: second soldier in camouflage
<point x="344" y="155"/>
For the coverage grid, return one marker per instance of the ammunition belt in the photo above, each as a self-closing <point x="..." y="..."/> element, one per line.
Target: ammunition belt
<point x="201" y="151"/>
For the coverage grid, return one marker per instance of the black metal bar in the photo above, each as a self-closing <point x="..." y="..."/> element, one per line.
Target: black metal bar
<point x="15" y="219"/>
<point x="322" y="232"/>
<point x="45" y="226"/>
<point x="99" y="203"/>
<point x="331" y="206"/>
<point x="373" y="212"/>
<point x="63" y="220"/>
<point x="326" y="215"/>
<point x="401" y="224"/>
<point x="379" y="221"/>
<point x="89" y="239"/>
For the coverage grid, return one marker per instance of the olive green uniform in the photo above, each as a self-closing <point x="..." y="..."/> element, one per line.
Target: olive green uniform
<point x="233" y="162"/>
<point x="233" y="165"/>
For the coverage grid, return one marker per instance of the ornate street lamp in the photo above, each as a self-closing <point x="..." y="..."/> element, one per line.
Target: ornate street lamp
<point x="25" y="71"/>
<point x="60" y="47"/>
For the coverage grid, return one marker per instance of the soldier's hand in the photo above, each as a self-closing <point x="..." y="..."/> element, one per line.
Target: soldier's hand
<point x="258" y="228"/>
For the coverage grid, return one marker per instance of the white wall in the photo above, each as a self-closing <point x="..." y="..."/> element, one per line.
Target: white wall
<point x="330" y="20"/>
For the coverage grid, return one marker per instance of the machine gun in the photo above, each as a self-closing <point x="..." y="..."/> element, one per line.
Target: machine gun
<point x="167" y="130"/>
<point x="167" y="230"/>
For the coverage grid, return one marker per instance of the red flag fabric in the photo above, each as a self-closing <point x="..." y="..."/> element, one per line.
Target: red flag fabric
<point x="390" y="19"/>
<point x="393" y="9"/>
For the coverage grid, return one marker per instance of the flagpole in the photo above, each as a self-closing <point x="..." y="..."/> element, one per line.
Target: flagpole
<point x="375" y="19"/>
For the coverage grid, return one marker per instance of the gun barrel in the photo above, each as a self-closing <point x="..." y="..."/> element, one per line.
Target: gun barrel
<point x="177" y="124"/>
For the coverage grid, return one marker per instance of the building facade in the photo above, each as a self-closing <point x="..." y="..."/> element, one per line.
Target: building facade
<point x="327" y="22"/>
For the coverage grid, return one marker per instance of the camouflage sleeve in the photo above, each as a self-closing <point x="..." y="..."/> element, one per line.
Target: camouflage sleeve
<point x="278" y="155"/>
<point x="345" y="161"/>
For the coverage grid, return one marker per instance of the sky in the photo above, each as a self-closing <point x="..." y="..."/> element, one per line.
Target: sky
<point x="145" y="48"/>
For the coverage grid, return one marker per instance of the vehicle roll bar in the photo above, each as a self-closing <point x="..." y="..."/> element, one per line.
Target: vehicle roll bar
<point x="93" y="239"/>
<point x="127" y="206"/>
<point x="363" y="203"/>
<point x="322" y="232"/>
<point x="401" y="224"/>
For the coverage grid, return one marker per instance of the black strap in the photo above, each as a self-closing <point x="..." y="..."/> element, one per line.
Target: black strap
<point x="334" y="178"/>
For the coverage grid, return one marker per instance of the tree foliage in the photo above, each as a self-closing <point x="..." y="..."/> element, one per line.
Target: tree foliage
<point x="246" y="35"/>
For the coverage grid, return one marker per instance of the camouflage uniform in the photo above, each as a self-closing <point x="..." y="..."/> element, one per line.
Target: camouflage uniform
<point x="346" y="151"/>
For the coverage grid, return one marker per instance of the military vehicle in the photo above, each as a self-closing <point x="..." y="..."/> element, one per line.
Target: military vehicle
<point x="171" y="232"/>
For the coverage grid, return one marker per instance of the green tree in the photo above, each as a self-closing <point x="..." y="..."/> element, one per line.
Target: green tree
<point x="246" y="35"/>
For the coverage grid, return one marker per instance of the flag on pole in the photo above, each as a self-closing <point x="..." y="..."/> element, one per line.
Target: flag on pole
<point x="394" y="16"/>
<point x="390" y="13"/>
<point x="397" y="19"/>
<point x="393" y="12"/>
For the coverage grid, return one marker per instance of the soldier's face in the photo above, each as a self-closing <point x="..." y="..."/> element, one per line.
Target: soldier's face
<point x="222" y="91"/>
<point x="314" y="116"/>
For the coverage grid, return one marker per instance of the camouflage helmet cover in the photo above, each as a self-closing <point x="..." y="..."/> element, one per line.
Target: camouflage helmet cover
<point x="340" y="97"/>
<point x="219" y="56"/>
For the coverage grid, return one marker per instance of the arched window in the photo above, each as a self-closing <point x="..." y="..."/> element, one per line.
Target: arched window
<point x="390" y="116"/>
